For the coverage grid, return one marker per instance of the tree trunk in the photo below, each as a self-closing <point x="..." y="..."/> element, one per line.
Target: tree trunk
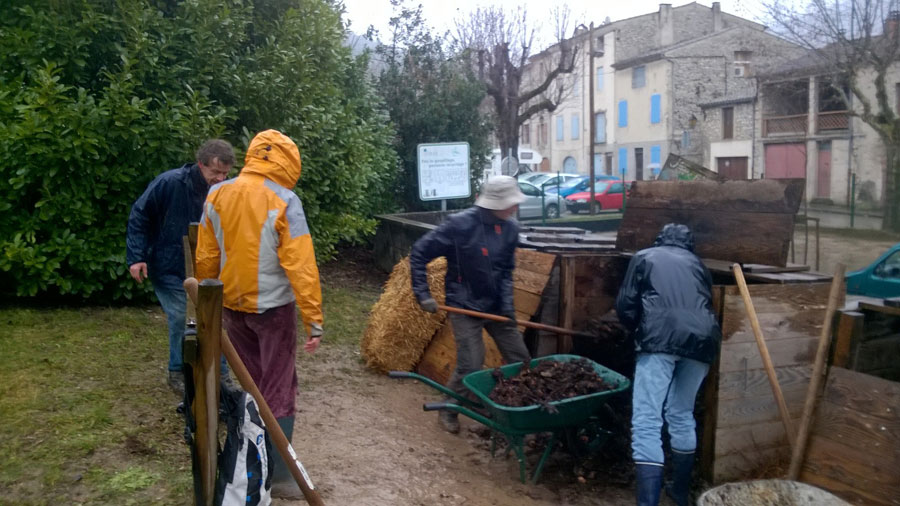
<point x="891" y="219"/>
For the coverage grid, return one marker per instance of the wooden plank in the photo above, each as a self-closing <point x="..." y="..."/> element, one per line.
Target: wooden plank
<point x="752" y="410"/>
<point x="784" y="312"/>
<point x="772" y="269"/>
<point x="759" y="436"/>
<point x="829" y="463"/>
<point x="535" y="261"/>
<point x="737" y="237"/>
<point x="586" y="308"/>
<point x="851" y="325"/>
<point x="708" y="447"/>
<point x="566" y="301"/>
<point x="872" y="435"/>
<point x="784" y="352"/>
<point x="769" y="196"/>
<point x="206" y="382"/>
<point x="863" y="393"/>
<point x="754" y="382"/>
<point x="767" y="463"/>
<point x="879" y="308"/>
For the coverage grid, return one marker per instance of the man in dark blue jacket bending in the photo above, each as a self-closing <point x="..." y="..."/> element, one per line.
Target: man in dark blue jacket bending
<point x="480" y="245"/>
<point x="159" y="220"/>
<point x="666" y="302"/>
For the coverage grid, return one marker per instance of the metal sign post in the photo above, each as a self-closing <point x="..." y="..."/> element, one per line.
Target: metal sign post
<point x="444" y="171"/>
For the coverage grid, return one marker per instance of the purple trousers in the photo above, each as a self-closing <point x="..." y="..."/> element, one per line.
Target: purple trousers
<point x="267" y="343"/>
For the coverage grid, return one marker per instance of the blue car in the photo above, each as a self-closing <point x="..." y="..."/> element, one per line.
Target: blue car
<point x="579" y="184"/>
<point x="881" y="279"/>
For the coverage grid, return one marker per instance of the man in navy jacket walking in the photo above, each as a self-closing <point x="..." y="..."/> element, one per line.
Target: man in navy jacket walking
<point x="154" y="246"/>
<point x="480" y="245"/>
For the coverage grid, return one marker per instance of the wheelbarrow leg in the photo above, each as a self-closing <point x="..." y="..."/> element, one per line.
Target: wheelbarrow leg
<point x="544" y="456"/>
<point x="517" y="444"/>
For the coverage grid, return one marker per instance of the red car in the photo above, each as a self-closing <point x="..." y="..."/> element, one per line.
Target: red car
<point x="607" y="194"/>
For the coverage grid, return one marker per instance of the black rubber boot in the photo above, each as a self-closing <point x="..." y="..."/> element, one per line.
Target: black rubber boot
<point x="649" y="484"/>
<point x="283" y="484"/>
<point x="449" y="421"/>
<point x="682" y="466"/>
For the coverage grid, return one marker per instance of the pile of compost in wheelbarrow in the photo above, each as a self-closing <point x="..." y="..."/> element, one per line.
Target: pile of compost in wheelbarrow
<point x="549" y="381"/>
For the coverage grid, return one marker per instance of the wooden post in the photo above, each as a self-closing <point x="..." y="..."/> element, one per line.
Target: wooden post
<point x="815" y="382"/>
<point x="711" y="398"/>
<point x="851" y="325"/>
<point x="764" y="353"/>
<point x="206" y="382"/>
<point x="566" y="301"/>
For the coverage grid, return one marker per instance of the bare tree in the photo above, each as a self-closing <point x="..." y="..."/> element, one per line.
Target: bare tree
<point x="499" y="44"/>
<point x="856" y="43"/>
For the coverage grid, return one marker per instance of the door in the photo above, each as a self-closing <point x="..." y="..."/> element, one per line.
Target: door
<point x="613" y="198"/>
<point x="734" y="167"/>
<point x="608" y="166"/>
<point x="823" y="171"/>
<point x="639" y="163"/>
<point x="786" y="161"/>
<point x="531" y="207"/>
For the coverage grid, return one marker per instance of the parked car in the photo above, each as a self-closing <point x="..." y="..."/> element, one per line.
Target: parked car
<point x="531" y="208"/>
<point x="607" y="194"/>
<point x="578" y="184"/>
<point x="547" y="178"/>
<point x="881" y="279"/>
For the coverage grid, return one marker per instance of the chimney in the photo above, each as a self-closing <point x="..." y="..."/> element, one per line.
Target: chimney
<point x="665" y="26"/>
<point x="891" y="23"/>
<point x="717" y="16"/>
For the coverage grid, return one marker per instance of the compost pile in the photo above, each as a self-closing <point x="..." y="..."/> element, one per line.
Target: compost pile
<point x="549" y="381"/>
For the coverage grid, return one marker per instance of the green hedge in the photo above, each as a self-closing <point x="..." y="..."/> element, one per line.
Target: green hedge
<point x="97" y="97"/>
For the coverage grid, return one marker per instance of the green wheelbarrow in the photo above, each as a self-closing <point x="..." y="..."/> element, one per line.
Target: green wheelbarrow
<point x="514" y="423"/>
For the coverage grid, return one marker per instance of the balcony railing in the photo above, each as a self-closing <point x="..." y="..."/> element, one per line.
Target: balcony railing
<point x="785" y="125"/>
<point x="833" y="120"/>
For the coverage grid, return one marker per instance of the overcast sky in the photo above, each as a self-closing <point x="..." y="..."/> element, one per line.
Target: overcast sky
<point x="441" y="13"/>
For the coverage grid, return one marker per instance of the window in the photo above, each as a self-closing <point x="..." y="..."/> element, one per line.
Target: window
<point x="600" y="128"/>
<point x="599" y="44"/>
<point x="742" y="63"/>
<point x="655" y="104"/>
<point x="638" y="76"/>
<point x="576" y="127"/>
<point x="623" y="160"/>
<point x="543" y="135"/>
<point x="728" y="122"/>
<point x="623" y="113"/>
<point x="890" y="268"/>
<point x="639" y="163"/>
<point x="529" y="190"/>
<point x="600" y="78"/>
<point x="616" y="188"/>
<point x="560" y="133"/>
<point x="655" y="156"/>
<point x="525" y="134"/>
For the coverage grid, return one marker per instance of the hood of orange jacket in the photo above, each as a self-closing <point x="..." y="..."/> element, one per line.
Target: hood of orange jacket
<point x="274" y="156"/>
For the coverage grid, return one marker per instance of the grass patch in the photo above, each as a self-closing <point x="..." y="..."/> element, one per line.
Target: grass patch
<point x="87" y="417"/>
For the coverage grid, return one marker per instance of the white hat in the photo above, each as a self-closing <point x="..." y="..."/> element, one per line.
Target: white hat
<point x="499" y="193"/>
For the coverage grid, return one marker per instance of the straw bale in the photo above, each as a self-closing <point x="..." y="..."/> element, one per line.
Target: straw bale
<point x="398" y="331"/>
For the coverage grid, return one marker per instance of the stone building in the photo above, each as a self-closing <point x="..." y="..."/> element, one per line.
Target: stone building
<point x="652" y="74"/>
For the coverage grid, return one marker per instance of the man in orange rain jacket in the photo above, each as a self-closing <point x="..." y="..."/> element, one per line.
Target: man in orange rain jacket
<point x="254" y="237"/>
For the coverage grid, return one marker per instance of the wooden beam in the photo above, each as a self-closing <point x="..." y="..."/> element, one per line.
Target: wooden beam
<point x="566" y="301"/>
<point x="206" y="382"/>
<point x="851" y="325"/>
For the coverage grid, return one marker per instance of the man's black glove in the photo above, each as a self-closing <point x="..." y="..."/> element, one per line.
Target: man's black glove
<point x="429" y="305"/>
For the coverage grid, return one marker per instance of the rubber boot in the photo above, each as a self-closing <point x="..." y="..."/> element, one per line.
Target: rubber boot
<point x="649" y="484"/>
<point x="283" y="484"/>
<point x="682" y="466"/>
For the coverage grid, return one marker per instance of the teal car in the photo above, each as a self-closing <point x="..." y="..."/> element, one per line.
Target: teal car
<point x="881" y="279"/>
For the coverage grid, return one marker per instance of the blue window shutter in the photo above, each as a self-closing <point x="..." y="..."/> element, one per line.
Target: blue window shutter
<point x="599" y="78"/>
<point x="598" y="163"/>
<point x="654" y="154"/>
<point x="576" y="127"/>
<point x="600" y="127"/>
<point x="623" y="160"/>
<point x="623" y="113"/>
<point x="655" y="102"/>
<point x="560" y="128"/>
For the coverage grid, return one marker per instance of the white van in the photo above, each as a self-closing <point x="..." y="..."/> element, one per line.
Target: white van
<point x="529" y="161"/>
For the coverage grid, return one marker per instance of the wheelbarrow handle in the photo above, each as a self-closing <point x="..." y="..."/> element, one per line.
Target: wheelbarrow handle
<point x="435" y="385"/>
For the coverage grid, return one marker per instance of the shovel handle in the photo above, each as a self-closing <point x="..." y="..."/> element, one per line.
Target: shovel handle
<point x="524" y="323"/>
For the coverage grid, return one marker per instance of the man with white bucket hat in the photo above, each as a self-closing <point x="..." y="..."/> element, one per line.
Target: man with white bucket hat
<point x="480" y="246"/>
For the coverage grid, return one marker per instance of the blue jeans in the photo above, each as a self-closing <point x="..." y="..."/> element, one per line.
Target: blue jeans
<point x="170" y="292"/>
<point x="667" y="382"/>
